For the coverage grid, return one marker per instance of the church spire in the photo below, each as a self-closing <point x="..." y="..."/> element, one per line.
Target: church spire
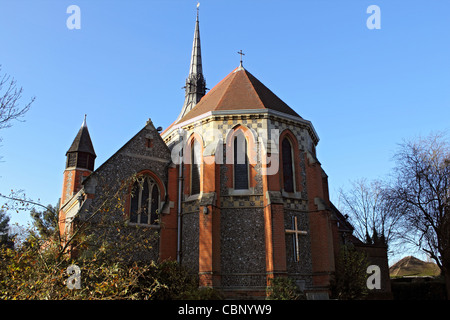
<point x="195" y="82"/>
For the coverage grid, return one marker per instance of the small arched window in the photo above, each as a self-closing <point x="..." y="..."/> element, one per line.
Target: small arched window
<point x="240" y="162"/>
<point x="145" y="200"/>
<point x="288" y="166"/>
<point x="195" y="167"/>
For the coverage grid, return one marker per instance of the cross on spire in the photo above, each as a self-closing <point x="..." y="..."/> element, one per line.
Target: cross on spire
<point x="242" y="54"/>
<point x="296" y="232"/>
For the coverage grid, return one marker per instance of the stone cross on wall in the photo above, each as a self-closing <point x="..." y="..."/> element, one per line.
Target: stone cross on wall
<point x="296" y="233"/>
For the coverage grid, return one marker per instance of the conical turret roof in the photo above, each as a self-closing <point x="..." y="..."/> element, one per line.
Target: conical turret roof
<point x="82" y="141"/>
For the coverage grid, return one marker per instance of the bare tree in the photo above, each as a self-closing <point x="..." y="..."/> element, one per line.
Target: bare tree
<point x="372" y="214"/>
<point x="10" y="94"/>
<point x="422" y="190"/>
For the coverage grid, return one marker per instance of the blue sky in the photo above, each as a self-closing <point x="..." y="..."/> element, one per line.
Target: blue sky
<point x="364" y="90"/>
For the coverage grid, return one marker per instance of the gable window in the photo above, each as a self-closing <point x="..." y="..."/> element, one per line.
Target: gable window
<point x="240" y="162"/>
<point x="288" y="170"/>
<point x="145" y="199"/>
<point x="195" y="167"/>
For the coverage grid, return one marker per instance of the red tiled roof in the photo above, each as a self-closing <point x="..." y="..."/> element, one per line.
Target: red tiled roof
<point x="239" y="90"/>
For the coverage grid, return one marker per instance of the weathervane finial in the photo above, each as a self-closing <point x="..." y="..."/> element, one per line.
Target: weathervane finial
<point x="84" y="121"/>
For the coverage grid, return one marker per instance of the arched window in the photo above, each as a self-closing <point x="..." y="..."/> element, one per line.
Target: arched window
<point x="195" y="167"/>
<point x="240" y="162"/>
<point x="145" y="199"/>
<point x="288" y="169"/>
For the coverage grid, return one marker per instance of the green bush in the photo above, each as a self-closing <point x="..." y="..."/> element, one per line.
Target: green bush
<point x="32" y="273"/>
<point x="350" y="282"/>
<point x="178" y="284"/>
<point x="284" y="288"/>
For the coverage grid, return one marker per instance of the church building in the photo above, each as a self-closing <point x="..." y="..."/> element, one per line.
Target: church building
<point x="233" y="188"/>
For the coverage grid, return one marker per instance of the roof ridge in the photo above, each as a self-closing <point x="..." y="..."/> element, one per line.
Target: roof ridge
<point x="253" y="88"/>
<point x="128" y="142"/>
<point x="231" y="74"/>
<point x="217" y="84"/>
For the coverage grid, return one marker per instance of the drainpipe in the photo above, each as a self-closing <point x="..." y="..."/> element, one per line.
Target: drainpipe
<point x="180" y="190"/>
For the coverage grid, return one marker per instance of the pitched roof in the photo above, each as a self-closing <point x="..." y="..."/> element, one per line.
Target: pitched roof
<point x="411" y="266"/>
<point x="239" y="90"/>
<point x="82" y="142"/>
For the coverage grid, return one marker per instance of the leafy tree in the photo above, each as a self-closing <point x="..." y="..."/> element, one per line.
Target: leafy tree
<point x="31" y="273"/>
<point x="4" y="222"/>
<point x="4" y="227"/>
<point x="110" y="254"/>
<point x="46" y="220"/>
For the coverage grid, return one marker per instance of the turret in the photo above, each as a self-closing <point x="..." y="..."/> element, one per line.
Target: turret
<point x="80" y="159"/>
